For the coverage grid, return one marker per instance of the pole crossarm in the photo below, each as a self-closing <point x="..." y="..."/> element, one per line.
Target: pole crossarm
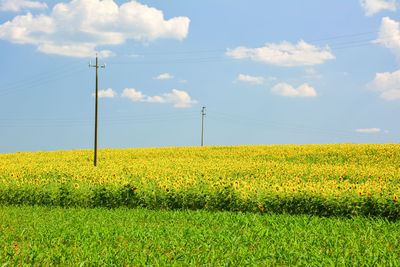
<point x="94" y="66"/>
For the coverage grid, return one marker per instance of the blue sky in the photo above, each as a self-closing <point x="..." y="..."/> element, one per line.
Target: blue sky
<point x="268" y="72"/>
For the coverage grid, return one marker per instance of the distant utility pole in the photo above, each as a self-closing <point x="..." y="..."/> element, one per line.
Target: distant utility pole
<point x="203" y="113"/>
<point x="96" y="108"/>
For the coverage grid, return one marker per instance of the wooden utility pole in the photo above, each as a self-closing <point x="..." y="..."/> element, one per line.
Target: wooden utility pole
<point x="203" y="113"/>
<point x="96" y="108"/>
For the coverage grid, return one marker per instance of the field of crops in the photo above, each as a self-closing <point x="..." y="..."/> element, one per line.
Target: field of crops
<point x="42" y="236"/>
<point x="324" y="180"/>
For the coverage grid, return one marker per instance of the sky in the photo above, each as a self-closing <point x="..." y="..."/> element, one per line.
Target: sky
<point x="268" y="72"/>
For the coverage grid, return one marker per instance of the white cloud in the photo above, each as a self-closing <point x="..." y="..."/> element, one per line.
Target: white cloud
<point x="284" y="54"/>
<point x="374" y="6"/>
<point x="132" y="94"/>
<point x="180" y="99"/>
<point x="368" y="130"/>
<point x="74" y="50"/>
<point x="164" y="76"/>
<point x="155" y="99"/>
<point x="389" y="35"/>
<point x="250" y="79"/>
<point x="18" y="5"/>
<point x="79" y="27"/>
<point x="284" y="89"/>
<point x="388" y="84"/>
<point x="109" y="93"/>
<point x="391" y="95"/>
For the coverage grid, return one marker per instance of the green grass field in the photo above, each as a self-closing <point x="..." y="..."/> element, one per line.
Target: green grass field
<point x="99" y="236"/>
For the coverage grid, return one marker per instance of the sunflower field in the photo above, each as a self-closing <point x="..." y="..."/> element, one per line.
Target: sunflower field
<point x="324" y="180"/>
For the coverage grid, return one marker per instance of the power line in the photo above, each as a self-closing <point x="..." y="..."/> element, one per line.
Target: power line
<point x="165" y="115"/>
<point x="351" y="43"/>
<point x="54" y="70"/>
<point x="292" y="127"/>
<point x="287" y="129"/>
<point x="40" y="81"/>
<point x="174" y="61"/>
<point x="87" y="119"/>
<point x="66" y="123"/>
<point x="51" y="76"/>
<point x="156" y="118"/>
<point x="200" y="51"/>
<point x="37" y="77"/>
<point x="342" y="36"/>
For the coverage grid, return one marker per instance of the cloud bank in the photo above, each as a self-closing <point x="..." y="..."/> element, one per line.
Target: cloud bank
<point x="179" y="99"/>
<point x="374" y="6"/>
<point x="284" y="54"/>
<point x="250" y="79"/>
<point x="79" y="27"/>
<point x="18" y="5"/>
<point x="388" y="84"/>
<point x="284" y="89"/>
<point x="389" y="35"/>
<point x="109" y="93"/>
<point x="368" y="130"/>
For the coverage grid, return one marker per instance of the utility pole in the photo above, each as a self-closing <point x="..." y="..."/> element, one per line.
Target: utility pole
<point x="96" y="108"/>
<point x="203" y="113"/>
